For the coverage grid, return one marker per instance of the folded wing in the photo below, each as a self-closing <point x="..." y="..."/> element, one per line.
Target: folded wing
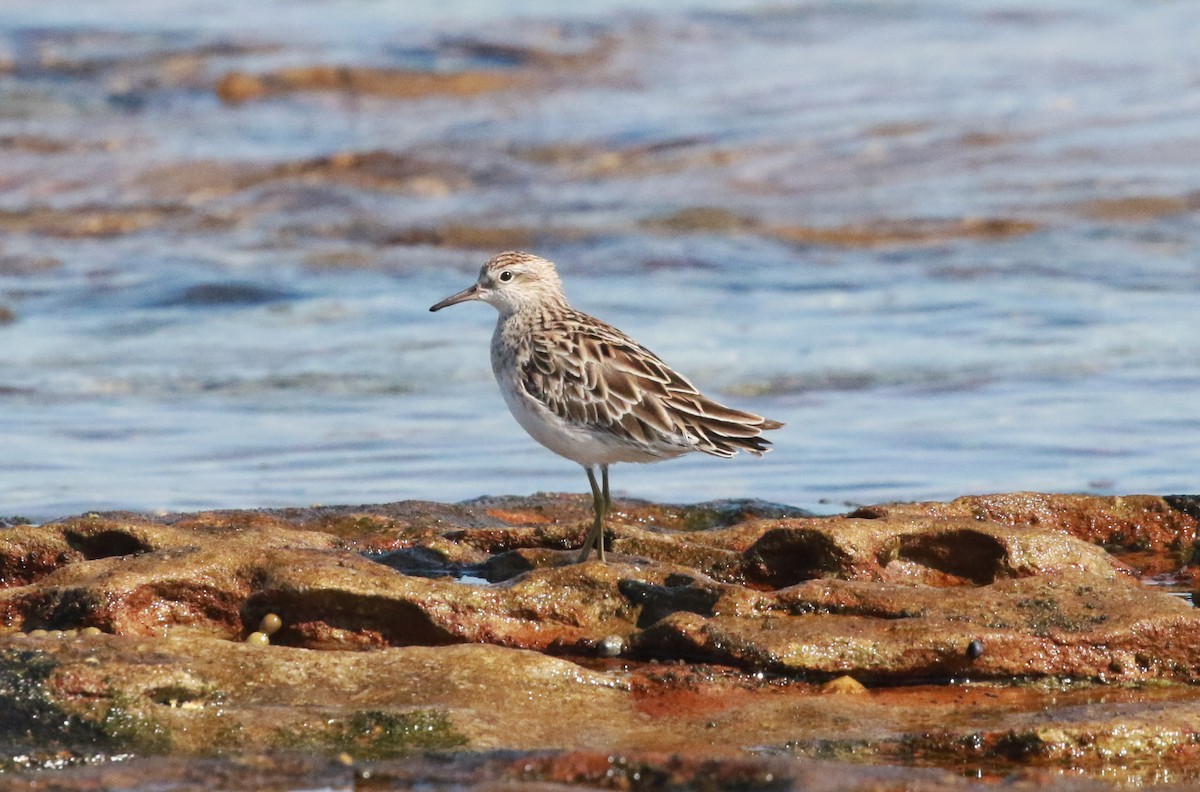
<point x="592" y="374"/>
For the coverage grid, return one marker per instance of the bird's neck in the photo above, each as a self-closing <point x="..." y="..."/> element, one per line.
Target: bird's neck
<point x="535" y="313"/>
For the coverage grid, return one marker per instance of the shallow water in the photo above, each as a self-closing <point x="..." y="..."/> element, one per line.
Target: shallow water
<point x="269" y="343"/>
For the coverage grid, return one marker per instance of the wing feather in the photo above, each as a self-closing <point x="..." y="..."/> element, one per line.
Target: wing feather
<point x="590" y="373"/>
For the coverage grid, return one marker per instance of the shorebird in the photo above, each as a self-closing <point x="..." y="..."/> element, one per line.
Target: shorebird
<point x="590" y="393"/>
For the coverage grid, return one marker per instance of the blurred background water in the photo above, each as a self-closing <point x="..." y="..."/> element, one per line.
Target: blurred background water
<point x="951" y="244"/>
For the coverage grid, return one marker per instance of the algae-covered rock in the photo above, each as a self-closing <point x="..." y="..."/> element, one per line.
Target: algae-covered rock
<point x="206" y="696"/>
<point x="888" y="592"/>
<point x="381" y="631"/>
<point x="1128" y="522"/>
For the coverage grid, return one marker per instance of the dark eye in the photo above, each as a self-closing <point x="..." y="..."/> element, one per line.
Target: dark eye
<point x="505" y="276"/>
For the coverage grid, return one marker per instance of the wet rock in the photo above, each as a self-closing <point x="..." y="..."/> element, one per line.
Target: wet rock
<point x="1032" y="627"/>
<point x="1004" y="731"/>
<point x="120" y="57"/>
<point x="125" y="586"/>
<point x="31" y="552"/>
<point x="374" y="170"/>
<point x="600" y="159"/>
<point x="467" y="236"/>
<point x="988" y="139"/>
<point x="900" y="233"/>
<point x="87" y="221"/>
<point x="881" y="233"/>
<point x="880" y="594"/>
<point x="833" y="380"/>
<point x="225" y="293"/>
<point x="712" y="629"/>
<point x="1119" y="522"/>
<point x="238" y="87"/>
<point x="539" y="770"/>
<point x="897" y="129"/>
<point x="866" y="546"/>
<point x="1140" y="208"/>
<point x="18" y="265"/>
<point x="503" y="53"/>
<point x="199" y="695"/>
<point x="702" y="219"/>
<point x="513" y="67"/>
<point x="36" y="144"/>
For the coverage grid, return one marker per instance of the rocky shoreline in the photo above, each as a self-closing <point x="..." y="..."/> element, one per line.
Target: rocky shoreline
<point x="723" y="643"/>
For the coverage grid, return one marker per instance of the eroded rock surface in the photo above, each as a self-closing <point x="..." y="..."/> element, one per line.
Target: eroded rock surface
<point x="728" y="629"/>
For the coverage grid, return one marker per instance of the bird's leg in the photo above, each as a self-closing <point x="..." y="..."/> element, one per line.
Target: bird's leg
<point x="606" y="502"/>
<point x="597" y="532"/>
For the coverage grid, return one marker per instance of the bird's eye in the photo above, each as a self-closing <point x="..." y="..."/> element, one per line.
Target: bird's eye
<point x="505" y="276"/>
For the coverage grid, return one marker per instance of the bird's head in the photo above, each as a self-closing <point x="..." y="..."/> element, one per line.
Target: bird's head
<point x="512" y="282"/>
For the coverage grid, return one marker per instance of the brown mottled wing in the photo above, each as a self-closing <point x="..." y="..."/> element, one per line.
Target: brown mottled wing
<point x="590" y="373"/>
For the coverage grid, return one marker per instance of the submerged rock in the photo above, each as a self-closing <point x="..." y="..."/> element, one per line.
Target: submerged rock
<point x="87" y="221"/>
<point x="880" y="233"/>
<point x="237" y="86"/>
<point x="507" y="67"/>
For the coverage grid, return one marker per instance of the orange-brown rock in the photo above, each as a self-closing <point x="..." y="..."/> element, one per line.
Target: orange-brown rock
<point x="711" y="632"/>
<point x="1129" y="522"/>
<point x="199" y="181"/>
<point x="518" y="67"/>
<point x="87" y="221"/>
<point x="901" y="233"/>
<point x="1140" y="208"/>
<point x="237" y="87"/>
<point x="880" y="233"/>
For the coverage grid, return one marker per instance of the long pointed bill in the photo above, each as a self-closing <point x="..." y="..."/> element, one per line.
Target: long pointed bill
<point x="469" y="293"/>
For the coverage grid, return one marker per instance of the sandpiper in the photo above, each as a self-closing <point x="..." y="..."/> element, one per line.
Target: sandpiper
<point x="590" y="393"/>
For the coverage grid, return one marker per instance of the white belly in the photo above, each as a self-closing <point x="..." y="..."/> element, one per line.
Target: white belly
<point x="589" y="447"/>
<point x="578" y="443"/>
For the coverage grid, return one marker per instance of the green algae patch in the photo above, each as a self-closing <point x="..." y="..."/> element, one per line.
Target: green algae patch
<point x="37" y="730"/>
<point x="31" y="715"/>
<point x="123" y="726"/>
<point x="377" y="734"/>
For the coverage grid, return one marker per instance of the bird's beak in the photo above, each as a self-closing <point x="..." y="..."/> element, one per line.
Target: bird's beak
<point x="469" y="293"/>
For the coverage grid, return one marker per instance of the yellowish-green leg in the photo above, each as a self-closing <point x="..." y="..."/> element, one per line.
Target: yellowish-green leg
<point x="599" y="499"/>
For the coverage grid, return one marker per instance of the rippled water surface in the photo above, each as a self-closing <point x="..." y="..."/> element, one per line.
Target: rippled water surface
<point x="952" y="245"/>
